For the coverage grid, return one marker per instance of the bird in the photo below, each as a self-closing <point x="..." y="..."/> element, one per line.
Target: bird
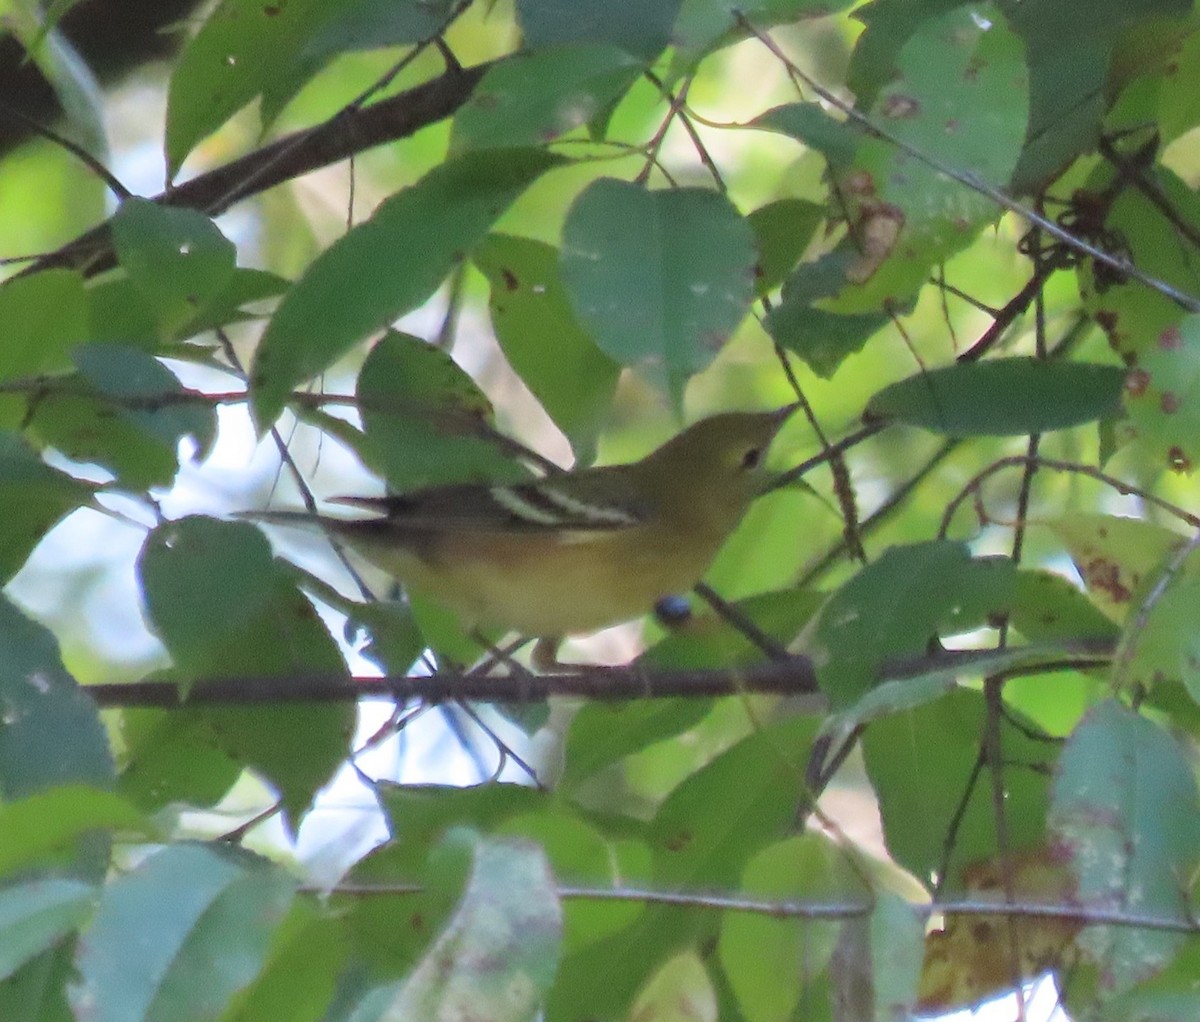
<point x="569" y="553"/>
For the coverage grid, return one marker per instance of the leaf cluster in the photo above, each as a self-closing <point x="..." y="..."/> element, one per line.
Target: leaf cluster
<point x="967" y="244"/>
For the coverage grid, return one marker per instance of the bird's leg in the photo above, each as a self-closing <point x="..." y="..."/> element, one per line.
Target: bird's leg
<point x="545" y="656"/>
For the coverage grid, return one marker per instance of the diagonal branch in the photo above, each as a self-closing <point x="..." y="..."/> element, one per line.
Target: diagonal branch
<point x="350" y="132"/>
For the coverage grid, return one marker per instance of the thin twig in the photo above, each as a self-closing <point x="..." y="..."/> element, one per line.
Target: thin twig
<point x="836" y="909"/>
<point x="879" y="516"/>
<point x="87" y="159"/>
<point x="971" y="180"/>
<point x="732" y="615"/>
<point x="1021" y="460"/>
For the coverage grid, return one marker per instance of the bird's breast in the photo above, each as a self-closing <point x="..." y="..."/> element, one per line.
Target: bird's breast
<point x="548" y="584"/>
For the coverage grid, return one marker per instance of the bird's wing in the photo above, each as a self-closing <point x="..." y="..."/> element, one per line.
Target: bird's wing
<point x="600" y="500"/>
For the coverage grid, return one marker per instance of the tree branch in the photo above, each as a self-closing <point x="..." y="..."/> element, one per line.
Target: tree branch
<point x="795" y="676"/>
<point x="851" y="908"/>
<point x="351" y="131"/>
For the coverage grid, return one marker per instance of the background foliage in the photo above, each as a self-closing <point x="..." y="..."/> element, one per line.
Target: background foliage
<point x="382" y="235"/>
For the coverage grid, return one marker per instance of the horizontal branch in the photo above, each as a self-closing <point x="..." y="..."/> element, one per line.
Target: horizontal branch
<point x="794" y="676"/>
<point x="851" y="908"/>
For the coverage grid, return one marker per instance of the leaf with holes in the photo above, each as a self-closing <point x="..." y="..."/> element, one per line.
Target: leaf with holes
<point x="1125" y="814"/>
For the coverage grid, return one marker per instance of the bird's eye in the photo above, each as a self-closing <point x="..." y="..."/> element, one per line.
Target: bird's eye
<point x="752" y="458"/>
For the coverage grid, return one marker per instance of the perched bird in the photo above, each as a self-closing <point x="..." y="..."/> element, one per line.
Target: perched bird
<point x="568" y="553"/>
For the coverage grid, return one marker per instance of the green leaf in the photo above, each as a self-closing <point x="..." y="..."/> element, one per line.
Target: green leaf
<point x="1004" y="397"/>
<point x="224" y="607"/>
<point x="877" y="964"/>
<point x="1138" y="320"/>
<point x="782" y="229"/>
<point x="899" y="696"/>
<point x="823" y="339"/>
<point x="601" y="735"/>
<point x="711" y="824"/>
<point x="1048" y="608"/>
<point x="121" y="314"/>
<point x="641" y="29"/>
<point x="391" y="936"/>
<point x="297" y="748"/>
<point x="1174" y="48"/>
<point x="1125" y="813"/>
<point x="38" y="990"/>
<point x="702" y="837"/>
<point x="892" y="697"/>
<point x="533" y="98"/>
<point x="958" y="93"/>
<point x="303" y="964"/>
<point x="246" y="286"/>
<point x="395" y="641"/>
<point x="703" y="25"/>
<point x="35" y="916"/>
<point x="1168" y="996"/>
<point x="98" y="420"/>
<point x="49" y="827"/>
<point x="203" y="918"/>
<point x="816" y="128"/>
<point x="178" y="259"/>
<point x="33" y="498"/>
<point x="391" y="263"/>
<point x="580" y="856"/>
<point x="897" y="934"/>
<point x="421" y="415"/>
<point x="896" y="605"/>
<point x="496" y="957"/>
<point x="1161" y="642"/>
<point x="325" y="30"/>
<point x="1162" y="396"/>
<point x="681" y="989"/>
<point x="660" y="279"/>
<point x="1116" y="557"/>
<point x="171" y="757"/>
<point x="920" y="763"/>
<point x="543" y="340"/>
<point x="128" y="375"/>
<point x="246" y="49"/>
<point x="770" y="962"/>
<point x="42" y="318"/>
<point x="41" y="702"/>
<point x="88" y="430"/>
<point x="1071" y="47"/>
<point x="419" y="815"/>
<point x="223" y="67"/>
